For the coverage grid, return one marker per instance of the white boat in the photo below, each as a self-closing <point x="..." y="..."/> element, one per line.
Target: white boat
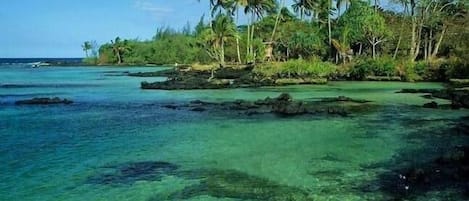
<point x="38" y="64"/>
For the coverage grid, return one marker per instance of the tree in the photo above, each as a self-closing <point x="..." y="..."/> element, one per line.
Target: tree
<point x="223" y="29"/>
<point x="119" y="47"/>
<point x="255" y="9"/>
<point x="214" y="38"/>
<point x="302" y="7"/>
<point x="87" y="46"/>
<point x="375" y="30"/>
<point x="231" y="8"/>
<point x="361" y="24"/>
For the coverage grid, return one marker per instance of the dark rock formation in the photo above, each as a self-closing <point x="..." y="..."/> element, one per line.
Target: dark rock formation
<point x="425" y="91"/>
<point x="432" y="104"/>
<point x="43" y="101"/>
<point x="222" y="78"/>
<point x="283" y="105"/>
<point x="185" y="84"/>
<point x="459" y="98"/>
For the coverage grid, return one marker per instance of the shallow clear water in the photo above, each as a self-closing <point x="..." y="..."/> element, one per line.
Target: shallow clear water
<point x="54" y="152"/>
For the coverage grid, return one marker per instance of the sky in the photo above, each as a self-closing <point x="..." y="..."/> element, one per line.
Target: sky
<point x="57" y="28"/>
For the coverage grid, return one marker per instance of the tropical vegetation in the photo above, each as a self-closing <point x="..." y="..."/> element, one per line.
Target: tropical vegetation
<point x="413" y="39"/>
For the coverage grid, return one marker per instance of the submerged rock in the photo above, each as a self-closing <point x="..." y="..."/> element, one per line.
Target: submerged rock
<point x="236" y="185"/>
<point x="198" y="109"/>
<point x="432" y="104"/>
<point x="182" y="84"/>
<point x="43" y="101"/>
<point x="130" y="173"/>
<point x="426" y="91"/>
<point x="459" y="97"/>
<point x="344" y="99"/>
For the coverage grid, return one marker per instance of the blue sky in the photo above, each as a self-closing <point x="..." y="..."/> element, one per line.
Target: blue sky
<point x="57" y="28"/>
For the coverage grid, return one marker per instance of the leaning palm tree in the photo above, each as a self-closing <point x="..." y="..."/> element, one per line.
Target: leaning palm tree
<point x="119" y="47"/>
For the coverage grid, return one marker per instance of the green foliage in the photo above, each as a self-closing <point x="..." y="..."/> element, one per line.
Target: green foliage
<point x="384" y="66"/>
<point x="411" y="71"/>
<point x="168" y="48"/>
<point x="297" y="69"/>
<point x="305" y="45"/>
<point x="360" y="28"/>
<point x="361" y="24"/>
<point x="90" y="60"/>
<point x="456" y="68"/>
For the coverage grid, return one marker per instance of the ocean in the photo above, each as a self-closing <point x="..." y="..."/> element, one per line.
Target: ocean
<point x="118" y="142"/>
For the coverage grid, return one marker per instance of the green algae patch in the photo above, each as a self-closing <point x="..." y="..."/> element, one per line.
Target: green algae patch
<point x="237" y="185"/>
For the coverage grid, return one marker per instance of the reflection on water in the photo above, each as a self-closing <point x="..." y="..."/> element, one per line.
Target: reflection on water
<point x="117" y="142"/>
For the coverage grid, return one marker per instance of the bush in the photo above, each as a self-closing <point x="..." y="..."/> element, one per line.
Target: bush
<point x="90" y="61"/>
<point x="410" y="71"/>
<point x="384" y="66"/>
<point x="456" y="68"/>
<point x="297" y="69"/>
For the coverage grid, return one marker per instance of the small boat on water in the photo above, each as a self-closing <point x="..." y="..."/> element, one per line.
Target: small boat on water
<point x="38" y="64"/>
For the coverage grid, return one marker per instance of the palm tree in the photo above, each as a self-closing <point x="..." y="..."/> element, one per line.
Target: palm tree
<point x="256" y="9"/>
<point x="119" y="47"/>
<point x="87" y="46"/>
<point x="302" y="7"/>
<point x="277" y="19"/>
<point x="219" y="5"/>
<point x="231" y="8"/>
<point x="223" y="29"/>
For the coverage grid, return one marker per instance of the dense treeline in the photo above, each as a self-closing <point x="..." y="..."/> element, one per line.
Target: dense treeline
<point x="425" y="39"/>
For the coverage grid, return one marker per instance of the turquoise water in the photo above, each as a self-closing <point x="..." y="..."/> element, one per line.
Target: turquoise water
<point x="83" y="151"/>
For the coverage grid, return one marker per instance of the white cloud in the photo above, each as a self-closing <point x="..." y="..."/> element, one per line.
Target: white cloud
<point x="149" y="6"/>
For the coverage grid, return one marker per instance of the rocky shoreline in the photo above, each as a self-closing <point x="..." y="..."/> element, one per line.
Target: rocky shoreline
<point x="221" y="79"/>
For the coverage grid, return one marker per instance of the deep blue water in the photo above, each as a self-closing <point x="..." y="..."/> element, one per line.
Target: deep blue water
<point x="10" y="61"/>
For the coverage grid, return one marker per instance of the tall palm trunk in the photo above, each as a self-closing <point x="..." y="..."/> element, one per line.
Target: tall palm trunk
<point x="237" y="40"/>
<point x="119" y="58"/>
<point x="277" y="19"/>
<point x="329" y="29"/>
<point x="222" y="53"/>
<point x="252" y="41"/>
<point x="248" y="43"/>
